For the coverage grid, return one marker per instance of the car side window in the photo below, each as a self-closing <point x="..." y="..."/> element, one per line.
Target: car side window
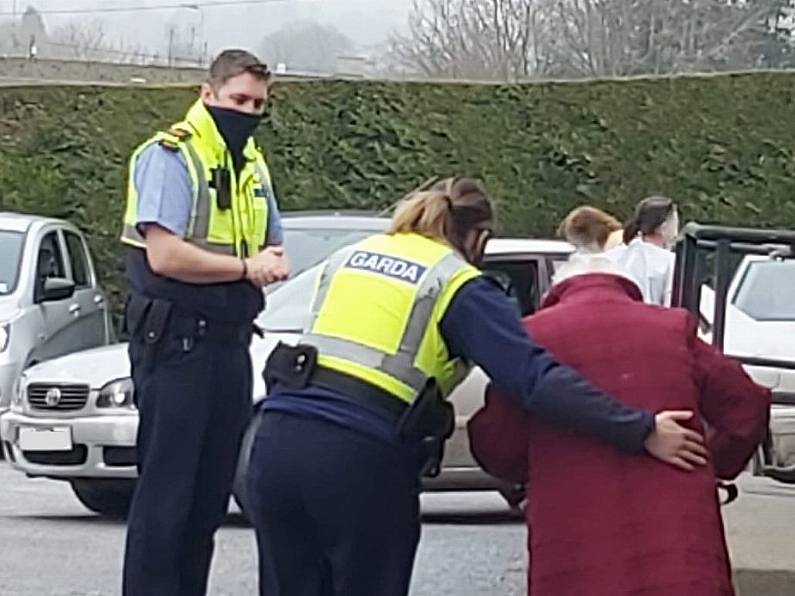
<point x="557" y="263"/>
<point x="519" y="281"/>
<point x="78" y="260"/>
<point x="50" y="261"/>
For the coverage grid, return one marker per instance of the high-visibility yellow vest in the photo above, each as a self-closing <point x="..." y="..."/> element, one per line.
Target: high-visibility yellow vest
<point x="241" y="229"/>
<point x="377" y="309"/>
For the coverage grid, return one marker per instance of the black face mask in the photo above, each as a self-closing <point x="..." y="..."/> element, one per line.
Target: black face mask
<point x="236" y="127"/>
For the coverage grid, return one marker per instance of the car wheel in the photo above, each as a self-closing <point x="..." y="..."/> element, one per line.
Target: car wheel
<point x="515" y="496"/>
<point x="106" y="497"/>
<point x="757" y="463"/>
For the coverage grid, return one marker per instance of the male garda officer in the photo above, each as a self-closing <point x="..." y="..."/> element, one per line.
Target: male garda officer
<point x="204" y="237"/>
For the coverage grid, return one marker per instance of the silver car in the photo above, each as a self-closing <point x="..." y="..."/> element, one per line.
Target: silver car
<point x="50" y="302"/>
<point x="83" y="427"/>
<point x="92" y="445"/>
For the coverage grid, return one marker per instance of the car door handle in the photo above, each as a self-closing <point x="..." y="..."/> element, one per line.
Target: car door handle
<point x="74" y="309"/>
<point x="99" y="299"/>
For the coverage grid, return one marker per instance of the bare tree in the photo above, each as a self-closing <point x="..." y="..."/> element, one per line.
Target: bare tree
<point x="519" y="39"/>
<point x="306" y="45"/>
<point x="15" y="36"/>
<point x="185" y="44"/>
<point x="86" y="40"/>
<point x="630" y="37"/>
<point x="78" y="41"/>
<point x="475" y="39"/>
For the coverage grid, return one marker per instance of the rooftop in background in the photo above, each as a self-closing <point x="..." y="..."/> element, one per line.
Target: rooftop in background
<point x="514" y="246"/>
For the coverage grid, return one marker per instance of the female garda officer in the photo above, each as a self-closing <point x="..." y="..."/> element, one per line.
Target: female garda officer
<point x="333" y="489"/>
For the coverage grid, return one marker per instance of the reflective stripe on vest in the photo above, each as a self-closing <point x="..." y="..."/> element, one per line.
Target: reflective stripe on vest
<point x="400" y="365"/>
<point x="199" y="223"/>
<point x="243" y="225"/>
<point x="200" y="217"/>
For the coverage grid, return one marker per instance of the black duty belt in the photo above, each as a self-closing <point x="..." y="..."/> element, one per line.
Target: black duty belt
<point x="359" y="391"/>
<point x="209" y="329"/>
<point x="152" y="319"/>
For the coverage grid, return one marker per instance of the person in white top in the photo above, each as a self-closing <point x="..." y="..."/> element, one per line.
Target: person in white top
<point x="646" y="253"/>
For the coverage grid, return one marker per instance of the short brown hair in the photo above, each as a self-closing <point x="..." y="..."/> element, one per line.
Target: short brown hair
<point x="231" y="63"/>
<point x="448" y="210"/>
<point x="588" y="227"/>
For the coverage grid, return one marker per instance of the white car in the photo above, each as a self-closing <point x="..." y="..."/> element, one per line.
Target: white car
<point x="91" y="442"/>
<point x="50" y="301"/>
<point x="760" y="322"/>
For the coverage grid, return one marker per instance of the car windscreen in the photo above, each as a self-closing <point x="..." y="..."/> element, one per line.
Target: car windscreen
<point x="306" y="247"/>
<point x="10" y="253"/>
<point x="288" y="307"/>
<point x="767" y="291"/>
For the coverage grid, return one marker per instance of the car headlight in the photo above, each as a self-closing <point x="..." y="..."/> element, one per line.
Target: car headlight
<point x="117" y="394"/>
<point x="5" y="332"/>
<point x="18" y="391"/>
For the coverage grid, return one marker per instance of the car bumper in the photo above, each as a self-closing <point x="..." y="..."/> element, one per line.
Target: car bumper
<point x="8" y="375"/>
<point x="102" y="446"/>
<point x="782" y="431"/>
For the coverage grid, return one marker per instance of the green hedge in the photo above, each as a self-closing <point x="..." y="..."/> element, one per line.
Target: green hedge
<point x="721" y="146"/>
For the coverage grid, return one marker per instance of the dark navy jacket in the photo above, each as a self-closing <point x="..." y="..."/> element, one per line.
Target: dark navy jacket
<point x="482" y="326"/>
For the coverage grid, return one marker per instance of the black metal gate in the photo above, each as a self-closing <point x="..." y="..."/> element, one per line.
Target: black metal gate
<point x="708" y="253"/>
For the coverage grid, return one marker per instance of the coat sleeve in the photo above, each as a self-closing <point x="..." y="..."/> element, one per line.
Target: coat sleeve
<point x="483" y="327"/>
<point x="736" y="409"/>
<point x="498" y="437"/>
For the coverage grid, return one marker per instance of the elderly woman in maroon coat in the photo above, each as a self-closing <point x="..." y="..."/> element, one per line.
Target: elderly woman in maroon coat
<point x="605" y="524"/>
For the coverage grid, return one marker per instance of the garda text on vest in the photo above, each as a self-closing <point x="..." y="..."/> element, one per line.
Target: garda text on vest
<point x="393" y="267"/>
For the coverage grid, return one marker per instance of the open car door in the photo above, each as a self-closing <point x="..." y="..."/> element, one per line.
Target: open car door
<point x="706" y="267"/>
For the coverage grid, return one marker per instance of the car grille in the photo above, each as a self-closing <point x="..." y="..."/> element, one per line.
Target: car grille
<point x="61" y="397"/>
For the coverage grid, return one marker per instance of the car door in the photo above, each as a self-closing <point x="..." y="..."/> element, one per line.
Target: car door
<point x="523" y="281"/>
<point x="91" y="311"/>
<point x="57" y="328"/>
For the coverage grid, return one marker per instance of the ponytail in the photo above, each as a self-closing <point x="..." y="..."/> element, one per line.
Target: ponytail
<point x="650" y="214"/>
<point x="631" y="230"/>
<point x="447" y="211"/>
<point x="427" y="213"/>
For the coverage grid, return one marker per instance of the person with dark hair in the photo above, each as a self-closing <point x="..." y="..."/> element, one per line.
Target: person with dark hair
<point x="356" y="411"/>
<point x="203" y="236"/>
<point x="646" y="254"/>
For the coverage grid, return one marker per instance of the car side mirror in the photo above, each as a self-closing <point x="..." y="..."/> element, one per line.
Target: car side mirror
<point x="56" y="288"/>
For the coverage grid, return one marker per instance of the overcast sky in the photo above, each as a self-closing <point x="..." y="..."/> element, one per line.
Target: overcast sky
<point x="367" y="22"/>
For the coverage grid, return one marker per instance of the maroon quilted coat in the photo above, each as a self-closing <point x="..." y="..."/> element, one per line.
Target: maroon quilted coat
<point x="602" y="523"/>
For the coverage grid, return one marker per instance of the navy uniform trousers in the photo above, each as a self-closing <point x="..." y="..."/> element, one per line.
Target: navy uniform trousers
<point x="336" y="511"/>
<point x="194" y="400"/>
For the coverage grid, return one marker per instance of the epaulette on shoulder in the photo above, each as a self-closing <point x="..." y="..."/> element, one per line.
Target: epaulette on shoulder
<point x="171" y="138"/>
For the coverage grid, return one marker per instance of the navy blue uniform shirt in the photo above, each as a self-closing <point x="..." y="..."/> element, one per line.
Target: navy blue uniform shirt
<point x="482" y="326"/>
